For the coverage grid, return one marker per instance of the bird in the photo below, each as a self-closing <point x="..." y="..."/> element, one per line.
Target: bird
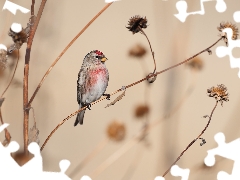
<point x="92" y="82"/>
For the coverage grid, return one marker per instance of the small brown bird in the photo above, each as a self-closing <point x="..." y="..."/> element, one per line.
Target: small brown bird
<point x="92" y="81"/>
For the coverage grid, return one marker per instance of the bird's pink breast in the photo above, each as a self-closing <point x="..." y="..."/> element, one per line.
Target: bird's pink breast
<point x="98" y="74"/>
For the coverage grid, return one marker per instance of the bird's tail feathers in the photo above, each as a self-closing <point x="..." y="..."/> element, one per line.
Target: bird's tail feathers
<point x="79" y="118"/>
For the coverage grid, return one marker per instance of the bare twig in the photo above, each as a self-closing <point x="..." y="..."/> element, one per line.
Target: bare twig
<point x="125" y="87"/>
<point x="65" y="49"/>
<point x="193" y="141"/>
<point x="138" y="138"/>
<point x="32" y="7"/>
<point x="26" y="72"/>
<point x="141" y="30"/>
<point x="12" y="76"/>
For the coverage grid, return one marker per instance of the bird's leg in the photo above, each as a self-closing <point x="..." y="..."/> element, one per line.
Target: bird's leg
<point x="87" y="104"/>
<point x="108" y="96"/>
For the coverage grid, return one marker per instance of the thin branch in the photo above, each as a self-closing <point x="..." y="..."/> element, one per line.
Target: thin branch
<point x="32" y="7"/>
<point x="122" y="89"/>
<point x="26" y="72"/>
<point x="154" y="70"/>
<point x="65" y="49"/>
<point x="136" y="139"/>
<point x="193" y="141"/>
<point x="12" y="76"/>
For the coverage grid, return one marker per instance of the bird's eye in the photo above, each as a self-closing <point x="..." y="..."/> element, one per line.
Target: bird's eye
<point x="97" y="57"/>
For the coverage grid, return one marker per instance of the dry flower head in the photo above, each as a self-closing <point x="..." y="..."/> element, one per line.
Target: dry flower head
<point x="219" y="93"/>
<point x="141" y="110"/>
<point x="234" y="28"/>
<point x="116" y="131"/>
<point x="195" y="64"/>
<point x="137" y="51"/>
<point x="136" y="23"/>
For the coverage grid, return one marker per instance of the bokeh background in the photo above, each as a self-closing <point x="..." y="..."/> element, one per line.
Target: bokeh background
<point x="177" y="100"/>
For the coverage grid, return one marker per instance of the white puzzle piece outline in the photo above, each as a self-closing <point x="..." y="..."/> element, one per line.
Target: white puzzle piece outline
<point x="181" y="6"/>
<point x="12" y="7"/>
<point x="177" y="171"/>
<point x="222" y="51"/>
<point x="33" y="169"/>
<point x="236" y="16"/>
<point x="229" y="151"/>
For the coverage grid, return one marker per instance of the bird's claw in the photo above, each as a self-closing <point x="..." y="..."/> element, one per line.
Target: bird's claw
<point x="108" y="96"/>
<point x="89" y="106"/>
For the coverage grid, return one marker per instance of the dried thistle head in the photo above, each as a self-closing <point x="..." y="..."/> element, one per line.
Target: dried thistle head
<point x="116" y="131"/>
<point x="137" y="51"/>
<point x="195" y="64"/>
<point x="224" y="25"/>
<point x="136" y="23"/>
<point x="3" y="59"/>
<point x="219" y="93"/>
<point x="141" y="110"/>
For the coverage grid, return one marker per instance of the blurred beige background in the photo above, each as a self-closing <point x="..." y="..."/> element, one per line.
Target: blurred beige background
<point x="172" y="42"/>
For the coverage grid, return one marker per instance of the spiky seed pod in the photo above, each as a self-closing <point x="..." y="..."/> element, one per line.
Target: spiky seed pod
<point x="219" y="93"/>
<point x="224" y="25"/>
<point x="136" y="22"/>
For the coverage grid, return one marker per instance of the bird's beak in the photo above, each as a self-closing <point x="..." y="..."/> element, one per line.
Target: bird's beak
<point x="104" y="59"/>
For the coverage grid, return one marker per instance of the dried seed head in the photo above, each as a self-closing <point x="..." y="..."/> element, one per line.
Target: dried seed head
<point x="136" y="23"/>
<point x="151" y="79"/>
<point x="219" y="93"/>
<point x="141" y="110"/>
<point x="137" y="51"/>
<point x="3" y="59"/>
<point x="116" y="131"/>
<point x="195" y="64"/>
<point x="234" y="28"/>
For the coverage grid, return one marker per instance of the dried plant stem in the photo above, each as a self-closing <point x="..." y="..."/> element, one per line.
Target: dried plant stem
<point x="136" y="139"/>
<point x="32" y="7"/>
<point x="193" y="141"/>
<point x="89" y="157"/>
<point x="154" y="70"/>
<point x="125" y="87"/>
<point x="7" y="134"/>
<point x="65" y="49"/>
<point x="12" y="76"/>
<point x="26" y="73"/>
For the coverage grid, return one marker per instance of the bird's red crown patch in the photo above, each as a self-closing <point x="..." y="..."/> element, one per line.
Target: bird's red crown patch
<point x="98" y="52"/>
